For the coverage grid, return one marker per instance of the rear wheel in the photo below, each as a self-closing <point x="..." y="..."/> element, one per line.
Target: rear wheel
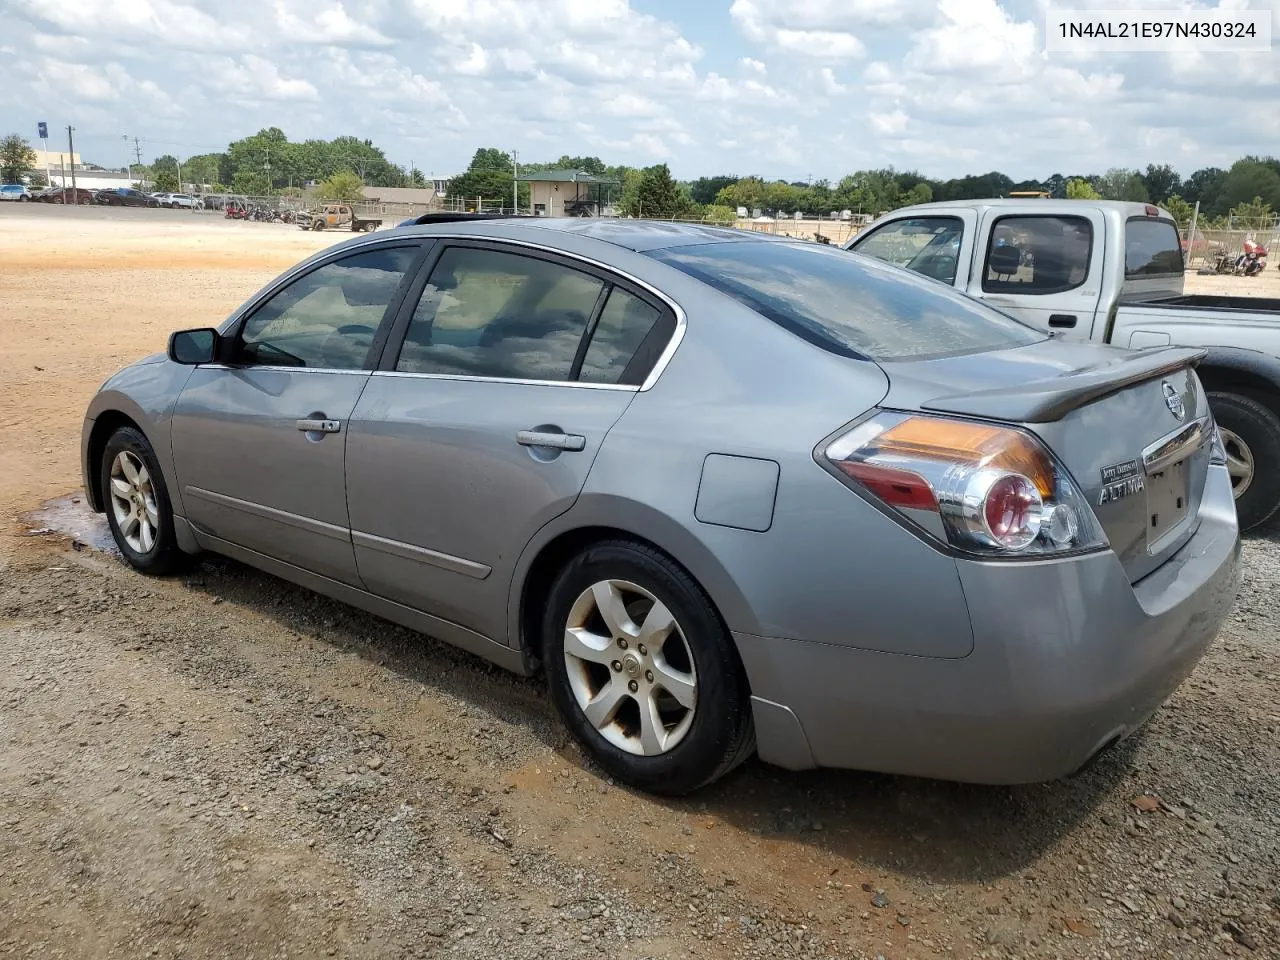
<point x="1251" y="436"/>
<point x="643" y="672"/>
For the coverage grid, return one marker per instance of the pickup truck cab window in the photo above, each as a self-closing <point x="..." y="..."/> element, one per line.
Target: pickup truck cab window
<point x="1037" y="254"/>
<point x="1151" y="247"/>
<point x="927" y="245"/>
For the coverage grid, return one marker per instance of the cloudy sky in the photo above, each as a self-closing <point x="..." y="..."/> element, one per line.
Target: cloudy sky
<point x="783" y="88"/>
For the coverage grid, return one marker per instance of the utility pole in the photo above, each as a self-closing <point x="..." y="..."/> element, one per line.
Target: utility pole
<point x="71" y="150"/>
<point x="515" y="182"/>
<point x="266" y="165"/>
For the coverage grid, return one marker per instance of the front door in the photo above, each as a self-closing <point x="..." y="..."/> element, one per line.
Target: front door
<point x="259" y="443"/>
<point x="485" y="421"/>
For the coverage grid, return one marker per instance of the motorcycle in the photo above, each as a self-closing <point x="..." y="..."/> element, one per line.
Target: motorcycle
<point x="1253" y="261"/>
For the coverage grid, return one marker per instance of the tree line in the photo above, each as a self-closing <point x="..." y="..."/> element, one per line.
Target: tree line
<point x="268" y="162"/>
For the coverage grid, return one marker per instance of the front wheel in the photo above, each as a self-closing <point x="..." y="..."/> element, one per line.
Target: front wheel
<point x="643" y="671"/>
<point x="1251" y="437"/>
<point x="139" y="512"/>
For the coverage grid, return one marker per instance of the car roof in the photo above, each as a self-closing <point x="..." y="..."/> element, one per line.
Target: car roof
<point x="631" y="234"/>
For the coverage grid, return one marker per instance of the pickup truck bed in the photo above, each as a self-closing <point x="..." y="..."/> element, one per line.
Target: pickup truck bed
<point x="1214" y="301"/>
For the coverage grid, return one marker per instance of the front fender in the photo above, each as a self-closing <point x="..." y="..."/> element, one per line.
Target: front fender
<point x="145" y="394"/>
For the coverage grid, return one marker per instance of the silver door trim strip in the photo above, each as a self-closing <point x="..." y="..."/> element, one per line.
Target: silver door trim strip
<point x="408" y="551"/>
<point x="279" y="369"/>
<point x="333" y="531"/>
<point x="1176" y="446"/>
<point x="627" y="388"/>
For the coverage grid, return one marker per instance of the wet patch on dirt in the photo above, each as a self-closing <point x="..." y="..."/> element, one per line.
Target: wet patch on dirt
<point x="72" y="517"/>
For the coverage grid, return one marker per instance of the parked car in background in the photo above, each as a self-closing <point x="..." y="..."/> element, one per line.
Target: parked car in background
<point x="336" y="216"/>
<point x="1108" y="272"/>
<point x="176" y="200"/>
<point x="732" y="493"/>
<point x="73" y="195"/>
<point x="125" y="197"/>
<point x="15" y="191"/>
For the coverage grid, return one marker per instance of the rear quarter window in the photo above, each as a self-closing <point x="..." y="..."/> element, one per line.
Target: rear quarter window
<point x="849" y="304"/>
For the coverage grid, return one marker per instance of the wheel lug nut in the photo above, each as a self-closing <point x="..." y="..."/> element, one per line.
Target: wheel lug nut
<point x="641" y="649"/>
<point x="633" y="686"/>
<point x="622" y="642"/>
<point x="648" y="675"/>
<point x="617" y="666"/>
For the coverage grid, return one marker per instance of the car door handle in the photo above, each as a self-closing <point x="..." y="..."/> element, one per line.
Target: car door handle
<point x="556" y="441"/>
<point x="309" y="425"/>
<point x="1062" y="319"/>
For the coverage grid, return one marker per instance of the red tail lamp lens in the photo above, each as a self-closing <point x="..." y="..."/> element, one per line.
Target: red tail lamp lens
<point x="898" y="488"/>
<point x="1012" y="511"/>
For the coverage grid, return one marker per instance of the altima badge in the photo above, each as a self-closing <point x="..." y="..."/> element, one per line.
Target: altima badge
<point x="1173" y="400"/>
<point x="1121" y="479"/>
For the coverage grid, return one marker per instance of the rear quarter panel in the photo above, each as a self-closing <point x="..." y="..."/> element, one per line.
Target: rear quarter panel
<point x="830" y="568"/>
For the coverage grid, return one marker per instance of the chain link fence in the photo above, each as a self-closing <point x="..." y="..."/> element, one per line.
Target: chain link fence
<point x="1216" y="249"/>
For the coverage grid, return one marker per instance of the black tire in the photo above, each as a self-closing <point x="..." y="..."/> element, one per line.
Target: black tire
<point x="1258" y="428"/>
<point x="720" y="735"/>
<point x="164" y="556"/>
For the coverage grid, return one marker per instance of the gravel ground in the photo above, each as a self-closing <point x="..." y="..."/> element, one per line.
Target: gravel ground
<point x="223" y="765"/>
<point x="223" y="759"/>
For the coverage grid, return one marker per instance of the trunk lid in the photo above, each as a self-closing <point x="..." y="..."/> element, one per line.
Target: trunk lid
<point x="1110" y="417"/>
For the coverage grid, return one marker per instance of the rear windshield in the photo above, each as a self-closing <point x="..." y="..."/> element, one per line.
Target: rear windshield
<point x="849" y="304"/>
<point x="1151" y="248"/>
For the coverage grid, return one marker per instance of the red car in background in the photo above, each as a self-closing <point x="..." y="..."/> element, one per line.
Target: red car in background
<point x="67" y="195"/>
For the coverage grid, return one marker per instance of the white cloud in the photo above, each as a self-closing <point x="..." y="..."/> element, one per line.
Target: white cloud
<point x="752" y="65"/>
<point x="180" y="26"/>
<point x="976" y="35"/>
<point x="828" y="29"/>
<point x="631" y="105"/>
<point x="255" y="79"/>
<point x="830" y="85"/>
<point x="305" y="22"/>
<point x="888" y="124"/>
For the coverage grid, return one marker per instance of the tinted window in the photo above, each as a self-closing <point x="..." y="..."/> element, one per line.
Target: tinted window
<point x="927" y="245"/>
<point x="327" y="318"/>
<point x="848" y="304"/>
<point x="485" y="313"/>
<point x="624" y="324"/>
<point x="1037" y="254"/>
<point x="1151" y="247"/>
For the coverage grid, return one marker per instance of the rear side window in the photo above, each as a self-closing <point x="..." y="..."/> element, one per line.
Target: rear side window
<point x="1037" y="254"/>
<point x="848" y="304"/>
<point x="1151" y="248"/>
<point x="625" y="342"/>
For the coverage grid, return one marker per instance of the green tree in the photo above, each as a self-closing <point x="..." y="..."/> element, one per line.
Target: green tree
<point x="261" y="161"/>
<point x="16" y="158"/>
<point x="1119" y="183"/>
<point x="164" y="175"/>
<point x="1162" y="182"/>
<point x="1248" y="178"/>
<point x="705" y="189"/>
<point x="1181" y="210"/>
<point x="659" y="197"/>
<point x="1204" y="185"/>
<point x="489" y="179"/>
<point x="1079" y="188"/>
<point x="343" y="185"/>
<point x="1256" y="209"/>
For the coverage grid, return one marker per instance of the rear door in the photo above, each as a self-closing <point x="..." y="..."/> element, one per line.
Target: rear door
<point x="484" y="417"/>
<point x="1043" y="268"/>
<point x="259" y="442"/>
<point x="938" y="245"/>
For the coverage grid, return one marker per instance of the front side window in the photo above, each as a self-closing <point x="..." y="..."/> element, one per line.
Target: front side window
<point x="486" y="313"/>
<point x="1037" y="254"/>
<point x="927" y="245"/>
<point x="326" y="318"/>
<point x="848" y="305"/>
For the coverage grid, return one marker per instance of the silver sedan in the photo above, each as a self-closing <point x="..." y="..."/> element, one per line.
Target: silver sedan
<point x="731" y="494"/>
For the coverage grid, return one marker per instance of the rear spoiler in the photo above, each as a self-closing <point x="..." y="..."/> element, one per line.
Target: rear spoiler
<point x="1043" y="401"/>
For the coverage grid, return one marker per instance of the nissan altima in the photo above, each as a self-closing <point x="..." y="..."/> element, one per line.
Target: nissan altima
<point x="730" y="494"/>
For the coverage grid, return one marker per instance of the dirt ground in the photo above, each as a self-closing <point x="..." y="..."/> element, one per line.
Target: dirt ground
<point x="223" y="765"/>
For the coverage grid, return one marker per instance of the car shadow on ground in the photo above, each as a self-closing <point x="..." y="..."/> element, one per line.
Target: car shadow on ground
<point x="943" y="832"/>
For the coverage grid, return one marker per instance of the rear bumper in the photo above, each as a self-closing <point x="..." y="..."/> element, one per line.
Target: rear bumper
<point x="1068" y="656"/>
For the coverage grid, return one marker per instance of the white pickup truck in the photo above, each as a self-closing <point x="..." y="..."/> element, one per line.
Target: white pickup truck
<point x="1110" y="272"/>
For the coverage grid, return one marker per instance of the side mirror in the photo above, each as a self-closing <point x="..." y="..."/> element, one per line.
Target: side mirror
<point x="191" y="347"/>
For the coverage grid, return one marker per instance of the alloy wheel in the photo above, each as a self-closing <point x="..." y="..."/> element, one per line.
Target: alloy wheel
<point x="133" y="502"/>
<point x="1239" y="461"/>
<point x="630" y="667"/>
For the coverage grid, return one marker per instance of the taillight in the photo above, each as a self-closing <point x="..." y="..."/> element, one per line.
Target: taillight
<point x="982" y="488"/>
